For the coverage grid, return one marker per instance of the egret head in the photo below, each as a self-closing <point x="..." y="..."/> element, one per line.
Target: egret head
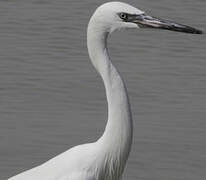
<point x="113" y="16"/>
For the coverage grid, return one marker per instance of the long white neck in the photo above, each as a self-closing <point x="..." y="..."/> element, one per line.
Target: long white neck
<point x="117" y="138"/>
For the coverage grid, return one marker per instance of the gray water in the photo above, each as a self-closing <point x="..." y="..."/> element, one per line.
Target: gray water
<point x="52" y="99"/>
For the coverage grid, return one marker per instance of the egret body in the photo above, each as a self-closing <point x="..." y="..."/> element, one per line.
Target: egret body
<point x="104" y="159"/>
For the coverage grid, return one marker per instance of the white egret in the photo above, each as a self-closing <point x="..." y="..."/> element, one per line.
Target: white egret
<point x="104" y="159"/>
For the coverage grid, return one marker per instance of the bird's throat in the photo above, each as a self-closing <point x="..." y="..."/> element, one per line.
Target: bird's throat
<point x="117" y="137"/>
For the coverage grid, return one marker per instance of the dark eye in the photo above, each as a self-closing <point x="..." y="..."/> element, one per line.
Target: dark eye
<point x="123" y="16"/>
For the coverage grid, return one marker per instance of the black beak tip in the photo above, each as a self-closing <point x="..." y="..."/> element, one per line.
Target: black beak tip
<point x="188" y="29"/>
<point x="185" y="29"/>
<point x="200" y="32"/>
<point x="197" y="31"/>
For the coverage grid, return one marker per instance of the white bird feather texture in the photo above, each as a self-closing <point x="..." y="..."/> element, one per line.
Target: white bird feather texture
<point x="104" y="159"/>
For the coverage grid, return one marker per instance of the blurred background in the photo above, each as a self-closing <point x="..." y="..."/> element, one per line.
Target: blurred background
<point x="51" y="98"/>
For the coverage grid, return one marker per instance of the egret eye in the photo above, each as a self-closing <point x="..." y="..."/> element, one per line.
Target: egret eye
<point x="123" y="16"/>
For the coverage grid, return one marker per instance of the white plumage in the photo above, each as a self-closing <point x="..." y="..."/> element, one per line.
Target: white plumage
<point x="104" y="159"/>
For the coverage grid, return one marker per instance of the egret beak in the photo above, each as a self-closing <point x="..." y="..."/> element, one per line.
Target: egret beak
<point x="146" y="21"/>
